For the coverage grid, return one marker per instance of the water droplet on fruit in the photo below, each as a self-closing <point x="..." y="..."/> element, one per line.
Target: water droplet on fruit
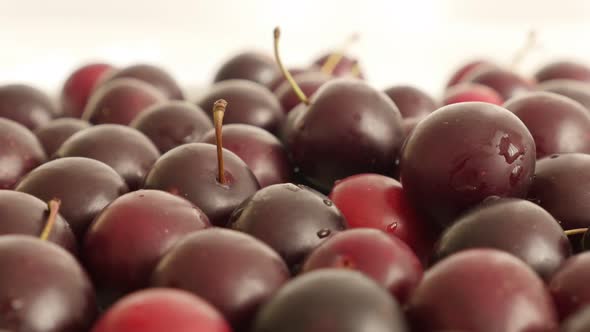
<point x="322" y="233"/>
<point x="328" y="202"/>
<point x="509" y="151"/>
<point x="392" y="227"/>
<point x="515" y="175"/>
<point x="337" y="182"/>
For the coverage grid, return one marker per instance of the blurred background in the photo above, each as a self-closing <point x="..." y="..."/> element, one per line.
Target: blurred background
<point x="417" y="42"/>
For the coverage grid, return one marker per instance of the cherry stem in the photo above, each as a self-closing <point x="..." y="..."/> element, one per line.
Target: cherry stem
<point x="530" y="43"/>
<point x="286" y="73"/>
<point x="575" y="231"/>
<point x="53" y="211"/>
<point x="218" y="112"/>
<point x="335" y="57"/>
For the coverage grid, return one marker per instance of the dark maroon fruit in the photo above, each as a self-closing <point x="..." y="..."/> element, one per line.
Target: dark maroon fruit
<point x="309" y="83"/>
<point x="280" y="78"/>
<point x="576" y="90"/>
<point x="568" y="70"/>
<point x="411" y="101"/>
<point x="155" y="76"/>
<point x="467" y="69"/>
<point x="464" y="92"/>
<point x="251" y="66"/>
<point x="53" y="134"/>
<point x="569" y="285"/>
<point x="506" y="83"/>
<point x="79" y="86"/>
<point x="26" y="105"/>
<point x="486" y="151"/>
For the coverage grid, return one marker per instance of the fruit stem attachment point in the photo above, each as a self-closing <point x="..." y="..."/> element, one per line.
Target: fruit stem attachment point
<point x="218" y="112"/>
<point x="335" y="57"/>
<point x="286" y="73"/>
<point x="575" y="231"/>
<point x="53" y="205"/>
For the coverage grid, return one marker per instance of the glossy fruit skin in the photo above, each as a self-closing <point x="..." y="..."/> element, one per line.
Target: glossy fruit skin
<point x="561" y="186"/>
<point x="569" y="286"/>
<point x="331" y="300"/>
<point x="161" y="309"/>
<point x="291" y="125"/>
<point x="576" y="90"/>
<point x="516" y="226"/>
<point x="171" y="124"/>
<point x="233" y="271"/>
<point x="252" y="66"/>
<point x="506" y="83"/>
<point x="578" y="322"/>
<point x="563" y="70"/>
<point x="464" y="71"/>
<point x="190" y="171"/>
<point x="42" y="288"/>
<point x="471" y="92"/>
<point x="377" y="201"/>
<point x="292" y="219"/>
<point x="120" y="101"/>
<point x="345" y="67"/>
<point x="386" y="259"/>
<point x="295" y="71"/>
<point x="150" y="222"/>
<point x="366" y="139"/>
<point x="53" y="134"/>
<point x="22" y="213"/>
<point x="411" y="101"/>
<point x="129" y="152"/>
<point x="21" y="152"/>
<point x="483" y="290"/>
<point x="309" y="82"/>
<point x="79" y="86"/>
<point x="153" y="75"/>
<point x="248" y="103"/>
<point x="26" y="105"/>
<point x="260" y="150"/>
<point x="487" y="151"/>
<point x="558" y="124"/>
<point x="84" y="186"/>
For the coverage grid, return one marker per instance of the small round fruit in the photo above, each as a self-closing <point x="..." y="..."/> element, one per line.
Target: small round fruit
<point x="53" y="134"/>
<point x="576" y="90"/>
<point x="26" y="105"/>
<point x="411" y="101"/>
<point x="506" y="83"/>
<point x="472" y="92"/>
<point x="467" y="69"/>
<point x="79" y="86"/>
<point x="252" y="66"/>
<point x="568" y="70"/>
<point x="569" y="285"/>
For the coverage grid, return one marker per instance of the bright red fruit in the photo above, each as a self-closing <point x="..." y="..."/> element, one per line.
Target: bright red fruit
<point x="78" y="87"/>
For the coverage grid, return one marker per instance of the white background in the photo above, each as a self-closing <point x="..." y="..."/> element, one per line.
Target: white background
<point x="416" y="42"/>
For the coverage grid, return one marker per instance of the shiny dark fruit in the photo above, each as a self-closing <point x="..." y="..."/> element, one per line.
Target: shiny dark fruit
<point x="562" y="187"/>
<point x="350" y="128"/>
<point x="578" y="322"/>
<point x="53" y="134"/>
<point x="26" y="105"/>
<point x="260" y="150"/>
<point x="233" y="271"/>
<point x="79" y="86"/>
<point x="249" y="103"/>
<point x="465" y="70"/>
<point x="486" y="151"/>
<point x="384" y="258"/>
<point x="411" y="101"/>
<point x="331" y="300"/>
<point x="506" y="83"/>
<point x="120" y="101"/>
<point x="129" y="152"/>
<point x="484" y="290"/>
<point x="20" y="152"/>
<point x="190" y="171"/>
<point x="42" y="288"/>
<point x="377" y="201"/>
<point x="22" y="213"/>
<point x="84" y="186"/>
<point x="161" y="309"/>
<point x="568" y="70"/>
<point x="252" y="66"/>
<point x="153" y="75"/>
<point x="291" y="124"/>
<point x="309" y="82"/>
<point x="150" y="222"/>
<point x="346" y="66"/>
<point x="516" y="226"/>
<point x="171" y="124"/>
<point x="292" y="219"/>
<point x="576" y="90"/>
<point x="280" y="78"/>
<point x="463" y="92"/>
<point x="569" y="285"/>
<point x="558" y="124"/>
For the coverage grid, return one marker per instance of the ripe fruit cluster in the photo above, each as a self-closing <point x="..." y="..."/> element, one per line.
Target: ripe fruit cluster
<point x="322" y="204"/>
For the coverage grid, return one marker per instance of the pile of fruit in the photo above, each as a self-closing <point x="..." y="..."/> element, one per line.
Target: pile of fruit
<point x="296" y="200"/>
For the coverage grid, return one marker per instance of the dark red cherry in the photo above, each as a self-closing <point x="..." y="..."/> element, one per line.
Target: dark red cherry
<point x="42" y="288"/>
<point x="331" y="300"/>
<point x="506" y="83"/>
<point x="576" y="90"/>
<point x="463" y="92"/>
<point x="84" y="186"/>
<point x="343" y="65"/>
<point x="79" y="86"/>
<point x="290" y="126"/>
<point x="252" y="66"/>
<point x="129" y="152"/>
<point x="120" y="101"/>
<point x="467" y="69"/>
<point x="484" y="290"/>
<point x="161" y="309"/>
<point x="171" y="124"/>
<point x="20" y="152"/>
<point x="155" y="76"/>
<point x="26" y="105"/>
<point x="280" y="78"/>
<point x="558" y="124"/>
<point x="411" y="101"/>
<point x="233" y="271"/>
<point x="486" y="151"/>
<point x="309" y="82"/>
<point x="384" y="258"/>
<point x="568" y="70"/>
<point x="578" y="322"/>
<point x="53" y="134"/>
<point x="569" y="285"/>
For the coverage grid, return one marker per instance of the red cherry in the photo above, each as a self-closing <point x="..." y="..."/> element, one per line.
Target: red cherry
<point x="79" y="86"/>
<point x="472" y="92"/>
